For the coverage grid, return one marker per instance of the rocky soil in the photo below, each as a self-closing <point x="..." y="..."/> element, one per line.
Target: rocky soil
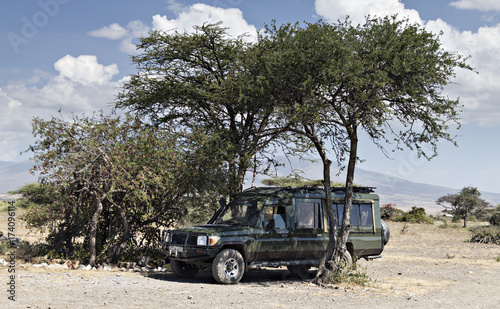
<point x="423" y="266"/>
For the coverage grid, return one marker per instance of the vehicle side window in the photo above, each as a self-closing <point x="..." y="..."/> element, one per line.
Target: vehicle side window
<point x="275" y="217"/>
<point x="366" y="216"/>
<point x="361" y="214"/>
<point x="338" y="209"/>
<point x="308" y="215"/>
<point x="355" y="215"/>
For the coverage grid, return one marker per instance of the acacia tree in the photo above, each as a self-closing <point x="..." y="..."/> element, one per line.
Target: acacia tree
<point x="115" y="182"/>
<point x="384" y="77"/>
<point x="209" y="81"/>
<point x="463" y="204"/>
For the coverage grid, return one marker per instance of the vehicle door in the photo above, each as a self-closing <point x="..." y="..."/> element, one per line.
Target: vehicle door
<point x="308" y="237"/>
<point x="362" y="233"/>
<point x="274" y="243"/>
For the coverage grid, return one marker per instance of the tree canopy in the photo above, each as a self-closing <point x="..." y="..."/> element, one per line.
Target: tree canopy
<point x="384" y="77"/>
<point x="463" y="204"/>
<point x="209" y="81"/>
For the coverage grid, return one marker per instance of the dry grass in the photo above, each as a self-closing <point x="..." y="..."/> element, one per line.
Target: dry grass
<point x="422" y="258"/>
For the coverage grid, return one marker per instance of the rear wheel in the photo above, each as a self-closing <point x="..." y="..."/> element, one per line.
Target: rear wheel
<point x="301" y="271"/>
<point x="228" y="266"/>
<point x="183" y="269"/>
<point x="346" y="260"/>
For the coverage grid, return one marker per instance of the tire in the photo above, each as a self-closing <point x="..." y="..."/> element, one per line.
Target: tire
<point x="346" y="260"/>
<point x="386" y="232"/>
<point x="183" y="269"/>
<point x="301" y="271"/>
<point x="228" y="267"/>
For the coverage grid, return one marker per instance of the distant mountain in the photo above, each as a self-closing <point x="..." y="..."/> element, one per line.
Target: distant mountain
<point x="14" y="175"/>
<point x="394" y="190"/>
<point x="406" y="194"/>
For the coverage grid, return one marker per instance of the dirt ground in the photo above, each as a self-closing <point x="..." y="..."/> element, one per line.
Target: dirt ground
<point x="423" y="266"/>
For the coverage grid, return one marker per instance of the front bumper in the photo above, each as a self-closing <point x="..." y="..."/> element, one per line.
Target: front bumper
<point x="181" y="247"/>
<point x="186" y="253"/>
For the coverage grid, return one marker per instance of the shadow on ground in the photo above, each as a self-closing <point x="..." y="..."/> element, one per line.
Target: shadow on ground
<point x="266" y="276"/>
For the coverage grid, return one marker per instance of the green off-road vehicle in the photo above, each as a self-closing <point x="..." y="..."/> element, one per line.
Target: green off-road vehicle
<point x="269" y="227"/>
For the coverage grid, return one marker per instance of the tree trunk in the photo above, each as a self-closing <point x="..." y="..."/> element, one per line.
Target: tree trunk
<point x="346" y="220"/>
<point x="93" y="229"/>
<point x="117" y="248"/>
<point x="326" y="268"/>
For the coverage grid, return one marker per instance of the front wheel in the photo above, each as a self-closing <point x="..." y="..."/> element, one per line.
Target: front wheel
<point x="228" y="267"/>
<point x="183" y="269"/>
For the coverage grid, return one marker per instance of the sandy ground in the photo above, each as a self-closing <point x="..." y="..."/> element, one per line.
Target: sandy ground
<point x="423" y="266"/>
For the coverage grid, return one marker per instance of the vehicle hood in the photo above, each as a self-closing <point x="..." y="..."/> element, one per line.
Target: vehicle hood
<point x="214" y="229"/>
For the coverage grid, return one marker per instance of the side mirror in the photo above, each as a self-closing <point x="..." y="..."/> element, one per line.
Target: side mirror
<point x="222" y="201"/>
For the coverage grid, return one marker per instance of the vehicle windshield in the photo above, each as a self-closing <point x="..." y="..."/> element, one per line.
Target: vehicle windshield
<point x="241" y="211"/>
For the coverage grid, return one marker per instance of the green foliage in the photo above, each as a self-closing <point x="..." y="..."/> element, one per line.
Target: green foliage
<point x="111" y="181"/>
<point x="206" y="80"/>
<point x="415" y="215"/>
<point x="33" y="195"/>
<point x="351" y="275"/>
<point x="486" y="235"/>
<point x="463" y="205"/>
<point x="494" y="218"/>
<point x="389" y="212"/>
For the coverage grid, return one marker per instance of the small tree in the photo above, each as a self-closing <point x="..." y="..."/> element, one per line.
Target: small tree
<point x="463" y="204"/>
<point x="114" y="182"/>
<point x="384" y="77"/>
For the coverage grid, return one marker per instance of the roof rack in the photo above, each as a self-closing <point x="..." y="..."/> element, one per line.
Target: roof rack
<point x="355" y="189"/>
<point x="269" y="191"/>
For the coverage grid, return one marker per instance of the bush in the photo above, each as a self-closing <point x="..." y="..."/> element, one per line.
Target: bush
<point x="415" y="215"/>
<point x="494" y="218"/>
<point x="389" y="212"/>
<point x="351" y="275"/>
<point x="486" y="235"/>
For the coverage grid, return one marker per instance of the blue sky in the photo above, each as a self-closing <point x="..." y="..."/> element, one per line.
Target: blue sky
<point x="74" y="55"/>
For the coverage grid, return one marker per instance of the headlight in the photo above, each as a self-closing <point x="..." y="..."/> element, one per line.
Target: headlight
<point x="201" y="240"/>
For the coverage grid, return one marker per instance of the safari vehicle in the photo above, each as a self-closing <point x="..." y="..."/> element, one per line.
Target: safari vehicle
<point x="270" y="227"/>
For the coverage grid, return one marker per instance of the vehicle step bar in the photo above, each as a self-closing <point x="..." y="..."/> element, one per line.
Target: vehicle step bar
<point x="255" y="265"/>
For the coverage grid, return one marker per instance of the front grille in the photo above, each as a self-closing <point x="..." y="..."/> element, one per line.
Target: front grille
<point x="179" y="238"/>
<point x="192" y="240"/>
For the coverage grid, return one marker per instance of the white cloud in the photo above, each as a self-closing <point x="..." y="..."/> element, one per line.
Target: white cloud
<point x="333" y="10"/>
<point x="174" y="6"/>
<point x="198" y="14"/>
<point x="85" y="70"/>
<point x="82" y="86"/>
<point x="112" y="32"/>
<point x="482" y="5"/>
<point x="134" y="29"/>
<point x="477" y="92"/>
